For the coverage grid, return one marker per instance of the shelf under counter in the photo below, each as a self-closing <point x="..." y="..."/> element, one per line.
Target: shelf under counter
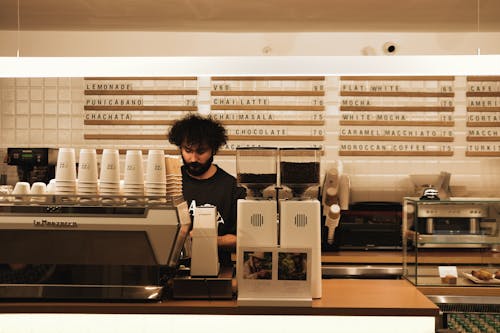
<point x="362" y="257"/>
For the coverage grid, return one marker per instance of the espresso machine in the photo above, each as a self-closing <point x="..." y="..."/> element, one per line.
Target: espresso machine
<point x="74" y="250"/>
<point x="441" y="220"/>
<point x="453" y="223"/>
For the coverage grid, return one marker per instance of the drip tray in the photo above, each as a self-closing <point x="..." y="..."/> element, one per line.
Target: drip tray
<point x="362" y="271"/>
<point x="217" y="287"/>
<point x="80" y="292"/>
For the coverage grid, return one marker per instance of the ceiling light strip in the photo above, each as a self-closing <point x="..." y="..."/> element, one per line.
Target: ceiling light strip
<point x="248" y="66"/>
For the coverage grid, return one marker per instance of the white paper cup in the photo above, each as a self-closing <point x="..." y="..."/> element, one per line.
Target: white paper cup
<point x="134" y="170"/>
<point x="51" y="187"/>
<point x="66" y="164"/>
<point x="110" y="166"/>
<point x="21" y="188"/>
<point x="38" y="190"/>
<point x="155" y="172"/>
<point x="87" y="166"/>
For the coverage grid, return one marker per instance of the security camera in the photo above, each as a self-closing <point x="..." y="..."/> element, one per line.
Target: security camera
<point x="390" y="48"/>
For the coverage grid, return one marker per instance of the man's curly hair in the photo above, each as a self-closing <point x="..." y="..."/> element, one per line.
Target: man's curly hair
<point x="194" y="129"/>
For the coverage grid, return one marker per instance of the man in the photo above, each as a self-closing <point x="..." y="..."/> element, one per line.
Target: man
<point x="256" y="266"/>
<point x="199" y="139"/>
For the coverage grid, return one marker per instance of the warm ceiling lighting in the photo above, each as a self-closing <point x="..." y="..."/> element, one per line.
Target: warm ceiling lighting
<point x="287" y="65"/>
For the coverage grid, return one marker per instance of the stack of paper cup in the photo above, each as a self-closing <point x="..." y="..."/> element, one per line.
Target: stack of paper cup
<point x="133" y="182"/>
<point x="109" y="178"/>
<point x="156" y="181"/>
<point x="174" y="176"/>
<point x="66" y="172"/>
<point x="87" y="172"/>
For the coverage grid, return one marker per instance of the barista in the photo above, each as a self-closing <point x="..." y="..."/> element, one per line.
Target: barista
<point x="199" y="139"/>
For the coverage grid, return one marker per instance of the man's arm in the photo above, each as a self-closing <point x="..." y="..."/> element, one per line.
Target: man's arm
<point x="227" y="241"/>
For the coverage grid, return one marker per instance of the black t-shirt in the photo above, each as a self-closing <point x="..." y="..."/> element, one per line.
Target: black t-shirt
<point x="219" y="190"/>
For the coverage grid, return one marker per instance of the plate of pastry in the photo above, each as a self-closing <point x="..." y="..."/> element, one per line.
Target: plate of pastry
<point x="483" y="276"/>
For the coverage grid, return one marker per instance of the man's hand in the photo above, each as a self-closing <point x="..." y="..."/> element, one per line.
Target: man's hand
<point x="227" y="241"/>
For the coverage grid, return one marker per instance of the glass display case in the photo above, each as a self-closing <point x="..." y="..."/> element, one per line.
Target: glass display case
<point x="452" y="242"/>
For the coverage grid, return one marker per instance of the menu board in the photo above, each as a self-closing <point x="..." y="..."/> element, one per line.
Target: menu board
<point x="396" y="115"/>
<point x="483" y="116"/>
<point x="136" y="108"/>
<point x="269" y="110"/>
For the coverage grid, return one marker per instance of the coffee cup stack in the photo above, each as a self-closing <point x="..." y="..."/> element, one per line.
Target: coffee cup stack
<point x="174" y="176"/>
<point x="133" y="182"/>
<point x="66" y="172"/>
<point x="155" y="185"/>
<point x="87" y="173"/>
<point x="109" y="177"/>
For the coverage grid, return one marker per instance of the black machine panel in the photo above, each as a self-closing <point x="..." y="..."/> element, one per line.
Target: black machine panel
<point x="369" y="226"/>
<point x="33" y="164"/>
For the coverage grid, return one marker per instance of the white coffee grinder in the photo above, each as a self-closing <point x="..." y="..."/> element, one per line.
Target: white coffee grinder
<point x="281" y="209"/>
<point x="257" y="214"/>
<point x="300" y="216"/>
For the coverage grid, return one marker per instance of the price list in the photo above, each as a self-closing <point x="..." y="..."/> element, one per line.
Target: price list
<point x="483" y="116"/>
<point x="269" y="110"/>
<point x="396" y="115"/>
<point x="136" y="108"/>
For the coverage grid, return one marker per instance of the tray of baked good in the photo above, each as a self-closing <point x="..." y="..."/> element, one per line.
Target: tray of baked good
<point x="483" y="276"/>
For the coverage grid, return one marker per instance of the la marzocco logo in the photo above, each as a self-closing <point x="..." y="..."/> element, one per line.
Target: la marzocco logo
<point x="56" y="224"/>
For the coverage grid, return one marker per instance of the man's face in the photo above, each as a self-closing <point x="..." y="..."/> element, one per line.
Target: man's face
<point x="197" y="158"/>
<point x="257" y="263"/>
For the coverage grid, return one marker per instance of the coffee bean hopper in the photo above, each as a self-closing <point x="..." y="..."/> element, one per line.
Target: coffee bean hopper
<point x="256" y="170"/>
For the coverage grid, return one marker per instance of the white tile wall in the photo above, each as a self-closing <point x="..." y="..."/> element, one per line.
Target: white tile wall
<point x="48" y="112"/>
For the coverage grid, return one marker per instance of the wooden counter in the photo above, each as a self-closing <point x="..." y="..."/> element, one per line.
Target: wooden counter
<point x="341" y="297"/>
